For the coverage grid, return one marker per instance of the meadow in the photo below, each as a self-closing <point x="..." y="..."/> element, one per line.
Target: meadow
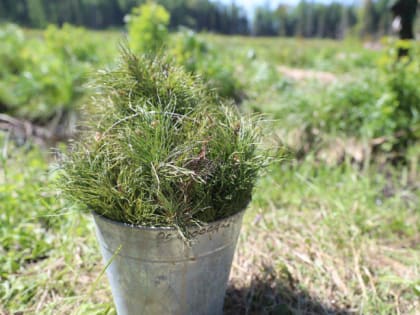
<point x="335" y="229"/>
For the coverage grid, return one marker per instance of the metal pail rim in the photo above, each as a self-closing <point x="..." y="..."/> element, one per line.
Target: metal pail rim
<point x="165" y="228"/>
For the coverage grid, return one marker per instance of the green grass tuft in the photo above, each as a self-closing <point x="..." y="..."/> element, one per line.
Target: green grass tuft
<point x="160" y="150"/>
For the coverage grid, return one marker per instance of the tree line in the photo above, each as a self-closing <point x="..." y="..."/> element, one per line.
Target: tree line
<point x="306" y="19"/>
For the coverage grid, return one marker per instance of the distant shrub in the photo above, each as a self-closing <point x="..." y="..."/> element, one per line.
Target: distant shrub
<point x="347" y="105"/>
<point x="198" y="57"/>
<point x="189" y="50"/>
<point x="148" y="34"/>
<point x="402" y="80"/>
<point x="71" y="42"/>
<point x="148" y="28"/>
<point x="12" y="42"/>
<point x="380" y="106"/>
<point x="42" y="77"/>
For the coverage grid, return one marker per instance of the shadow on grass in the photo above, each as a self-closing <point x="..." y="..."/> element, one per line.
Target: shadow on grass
<point x="268" y="294"/>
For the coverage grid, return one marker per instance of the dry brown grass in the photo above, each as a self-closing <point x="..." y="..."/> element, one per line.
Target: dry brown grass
<point x="284" y="264"/>
<point x="285" y="268"/>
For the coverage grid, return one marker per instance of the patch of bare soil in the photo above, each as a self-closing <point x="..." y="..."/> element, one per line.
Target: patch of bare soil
<point x="305" y="74"/>
<point x="373" y="46"/>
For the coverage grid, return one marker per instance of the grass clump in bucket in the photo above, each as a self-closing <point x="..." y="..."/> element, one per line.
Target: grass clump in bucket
<point x="159" y="149"/>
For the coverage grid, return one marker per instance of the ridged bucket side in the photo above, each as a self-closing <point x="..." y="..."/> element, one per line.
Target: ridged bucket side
<point x="153" y="271"/>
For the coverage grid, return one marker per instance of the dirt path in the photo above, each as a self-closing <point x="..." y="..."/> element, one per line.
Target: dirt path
<point x="305" y="74"/>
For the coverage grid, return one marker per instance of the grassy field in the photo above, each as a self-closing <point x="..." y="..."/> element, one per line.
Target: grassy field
<point x="333" y="230"/>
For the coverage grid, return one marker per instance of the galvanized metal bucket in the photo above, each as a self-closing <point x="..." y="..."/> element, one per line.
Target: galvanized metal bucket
<point x="154" y="272"/>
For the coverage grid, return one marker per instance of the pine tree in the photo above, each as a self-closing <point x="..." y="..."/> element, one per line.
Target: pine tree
<point x="368" y="18"/>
